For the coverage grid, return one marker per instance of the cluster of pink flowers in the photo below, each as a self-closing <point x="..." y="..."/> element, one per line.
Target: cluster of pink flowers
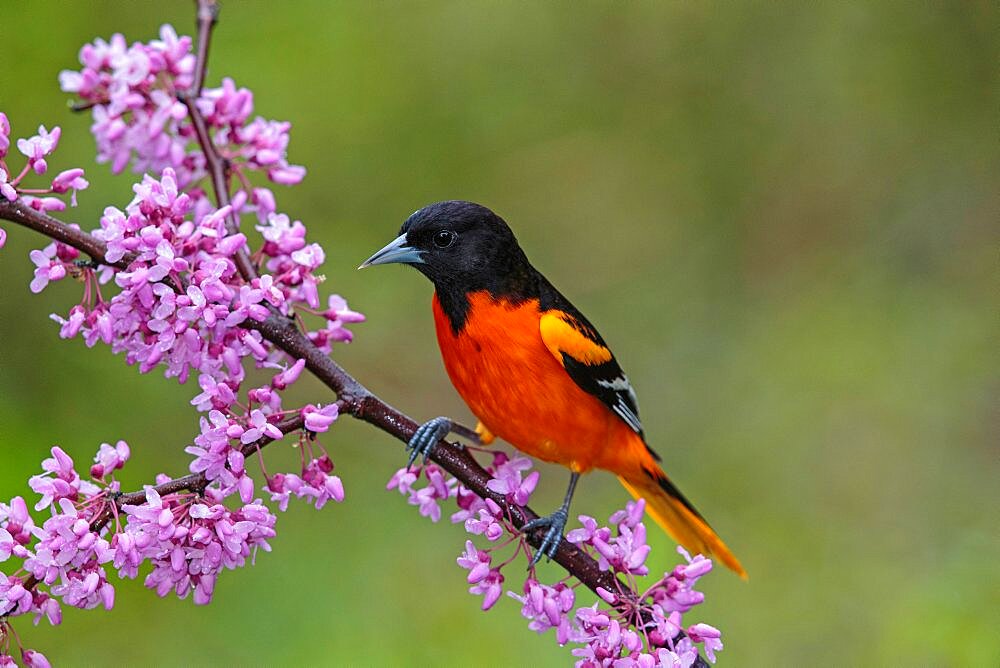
<point x="171" y="297"/>
<point x="36" y="149"/>
<point x="136" y="94"/>
<point x="314" y="483"/>
<point x="181" y="303"/>
<point x="189" y="540"/>
<point x="606" y="631"/>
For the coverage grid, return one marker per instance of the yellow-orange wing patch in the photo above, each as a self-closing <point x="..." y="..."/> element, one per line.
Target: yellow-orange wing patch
<point x="561" y="336"/>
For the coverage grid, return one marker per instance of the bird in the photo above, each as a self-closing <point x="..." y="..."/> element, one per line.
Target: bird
<point x="533" y="370"/>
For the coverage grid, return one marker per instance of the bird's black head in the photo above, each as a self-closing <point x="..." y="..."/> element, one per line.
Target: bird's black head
<point x="461" y="247"/>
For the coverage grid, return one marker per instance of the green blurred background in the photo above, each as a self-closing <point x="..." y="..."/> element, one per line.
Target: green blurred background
<point x="783" y="217"/>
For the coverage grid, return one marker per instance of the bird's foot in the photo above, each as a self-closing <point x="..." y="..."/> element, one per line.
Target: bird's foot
<point x="431" y="432"/>
<point x="556" y="522"/>
<point x="425" y="437"/>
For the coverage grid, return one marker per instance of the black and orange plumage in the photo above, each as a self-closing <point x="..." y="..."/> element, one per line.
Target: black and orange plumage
<point x="532" y="368"/>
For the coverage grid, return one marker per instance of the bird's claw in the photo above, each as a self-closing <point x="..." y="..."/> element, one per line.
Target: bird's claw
<point x="426" y="436"/>
<point x="556" y="522"/>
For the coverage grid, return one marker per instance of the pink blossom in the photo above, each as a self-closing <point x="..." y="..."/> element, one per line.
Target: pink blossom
<point x="586" y="533"/>
<point x="179" y="304"/>
<point x="17" y="522"/>
<point x="707" y="635"/>
<point x="547" y="607"/>
<point x="259" y="427"/>
<point x="318" y="484"/>
<point x="288" y="175"/>
<point x="6" y="189"/>
<point x="39" y="146"/>
<point x="485" y="580"/>
<point x="289" y="376"/>
<point x="189" y="545"/>
<point x="476" y="561"/>
<point x="60" y="481"/>
<point x="6" y="544"/>
<point x="314" y="485"/>
<point x="44" y="203"/>
<point x="402" y="480"/>
<point x="507" y="478"/>
<point x="212" y="446"/>
<point x="489" y="588"/>
<point x="286" y="237"/>
<point x="34" y="659"/>
<point x="4" y="135"/>
<point x="438" y="487"/>
<point x="318" y="419"/>
<point x="338" y="315"/>
<point x="69" y="551"/>
<point x="487" y="523"/>
<point x="47" y="268"/>
<point x="70" y="179"/>
<point x="110" y="458"/>
<point x="138" y="119"/>
<point x="215" y="394"/>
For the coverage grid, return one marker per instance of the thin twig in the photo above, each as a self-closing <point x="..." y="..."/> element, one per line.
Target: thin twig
<point x="208" y="16"/>
<point x="217" y="166"/>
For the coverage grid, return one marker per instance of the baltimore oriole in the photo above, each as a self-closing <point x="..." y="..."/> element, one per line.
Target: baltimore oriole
<point x="532" y="368"/>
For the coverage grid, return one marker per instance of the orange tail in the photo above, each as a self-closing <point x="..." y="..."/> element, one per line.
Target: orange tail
<point x="677" y="516"/>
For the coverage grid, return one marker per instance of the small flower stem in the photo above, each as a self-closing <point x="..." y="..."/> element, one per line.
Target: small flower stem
<point x="24" y="172"/>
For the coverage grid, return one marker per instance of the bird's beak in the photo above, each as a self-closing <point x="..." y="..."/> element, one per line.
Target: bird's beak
<point x="396" y="251"/>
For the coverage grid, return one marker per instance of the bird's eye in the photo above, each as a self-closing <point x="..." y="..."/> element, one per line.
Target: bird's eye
<point x="444" y="238"/>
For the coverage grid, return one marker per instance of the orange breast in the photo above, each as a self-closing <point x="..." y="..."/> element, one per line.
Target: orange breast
<point x="517" y="388"/>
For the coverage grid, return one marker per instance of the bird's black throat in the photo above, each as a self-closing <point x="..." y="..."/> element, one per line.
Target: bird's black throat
<point x="515" y="283"/>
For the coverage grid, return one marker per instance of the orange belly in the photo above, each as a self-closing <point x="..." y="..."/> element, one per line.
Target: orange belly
<point x="519" y="391"/>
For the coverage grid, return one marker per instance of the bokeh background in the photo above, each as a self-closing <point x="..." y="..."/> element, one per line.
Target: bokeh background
<point x="783" y="217"/>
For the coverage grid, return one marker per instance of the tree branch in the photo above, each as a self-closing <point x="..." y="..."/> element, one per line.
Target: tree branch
<point x="22" y="214"/>
<point x="208" y="16"/>
<point x="357" y="400"/>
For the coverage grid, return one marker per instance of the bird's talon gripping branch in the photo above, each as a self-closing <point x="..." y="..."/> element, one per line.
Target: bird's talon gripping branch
<point x="424" y="438"/>
<point x="556" y="522"/>
<point x="432" y="431"/>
